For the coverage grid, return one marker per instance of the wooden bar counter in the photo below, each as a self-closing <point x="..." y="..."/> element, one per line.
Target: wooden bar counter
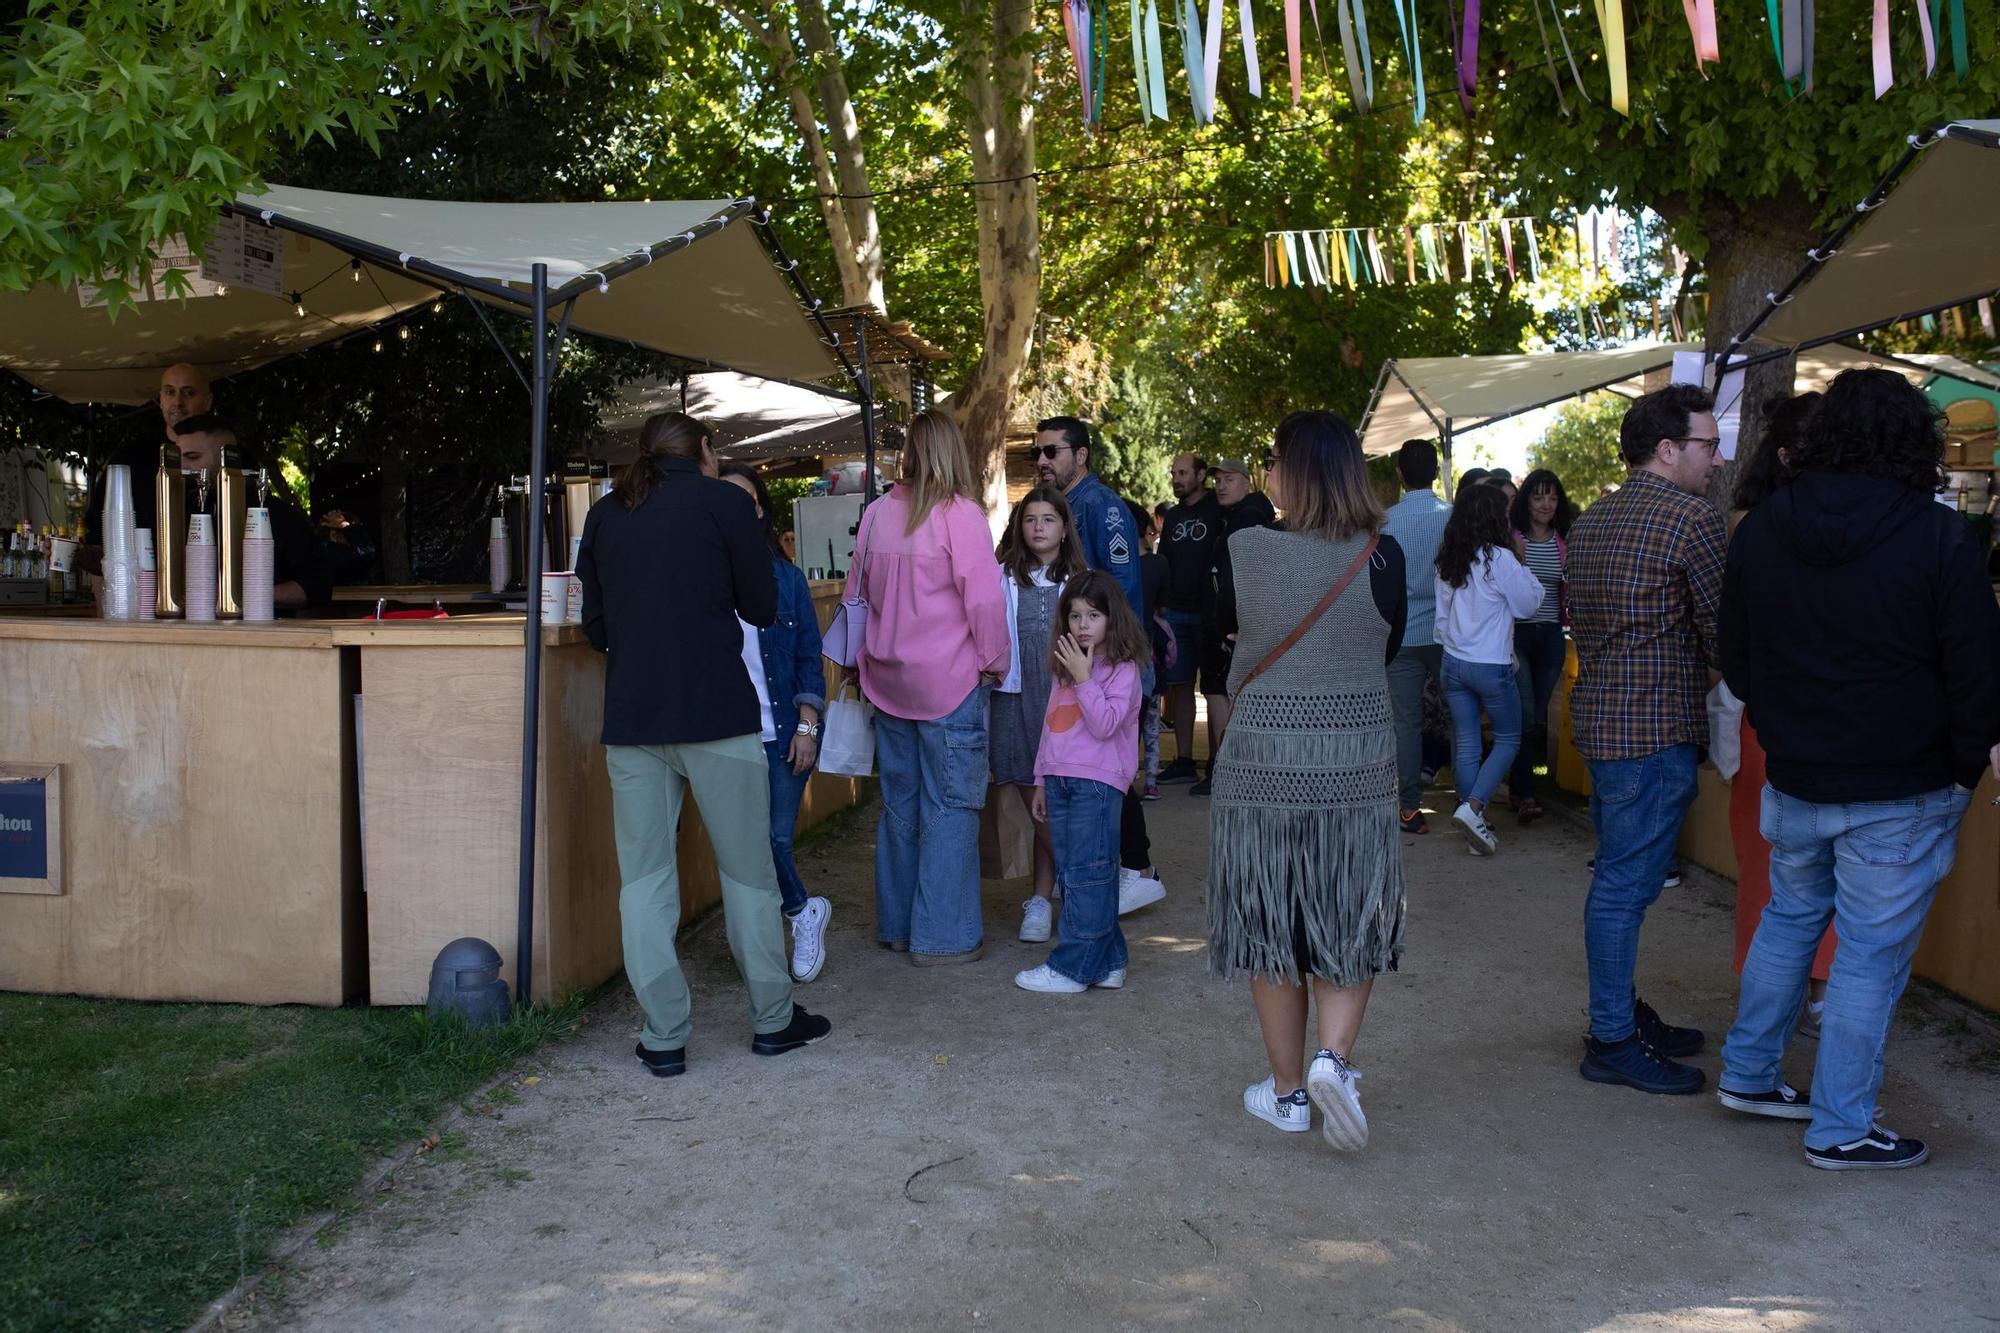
<point x="236" y="828"/>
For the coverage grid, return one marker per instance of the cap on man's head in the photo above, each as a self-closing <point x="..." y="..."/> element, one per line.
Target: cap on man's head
<point x="1235" y="465"/>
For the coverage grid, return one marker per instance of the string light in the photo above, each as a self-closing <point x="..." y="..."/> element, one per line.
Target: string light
<point x="437" y="307"/>
<point x="403" y="332"/>
<point x="354" y="269"/>
<point x="378" y="344"/>
<point x="299" y="304"/>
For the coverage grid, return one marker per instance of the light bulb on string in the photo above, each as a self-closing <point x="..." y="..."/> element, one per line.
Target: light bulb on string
<point x="378" y="344"/>
<point x="299" y="304"/>
<point x="403" y="332"/>
<point x="354" y="269"/>
<point x="437" y="307"/>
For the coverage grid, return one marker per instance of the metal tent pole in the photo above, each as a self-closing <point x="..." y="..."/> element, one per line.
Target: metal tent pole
<point x="531" y="665"/>
<point x="864" y="382"/>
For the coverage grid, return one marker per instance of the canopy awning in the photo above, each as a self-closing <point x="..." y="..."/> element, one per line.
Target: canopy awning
<point x="753" y="419"/>
<point x="1922" y="241"/>
<point x="1419" y="395"/>
<point x="693" y="282"/>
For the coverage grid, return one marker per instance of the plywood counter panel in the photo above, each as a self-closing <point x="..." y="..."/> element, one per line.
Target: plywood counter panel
<point x="207" y="849"/>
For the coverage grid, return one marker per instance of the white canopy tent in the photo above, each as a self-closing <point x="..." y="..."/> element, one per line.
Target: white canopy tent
<point x="756" y="419"/>
<point x="692" y="282"/>
<point x="1922" y="241"/>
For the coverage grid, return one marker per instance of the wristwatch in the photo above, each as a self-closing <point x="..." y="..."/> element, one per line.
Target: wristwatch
<point x="808" y="729"/>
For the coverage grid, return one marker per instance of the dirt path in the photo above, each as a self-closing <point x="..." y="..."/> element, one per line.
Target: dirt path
<point x="962" y="1154"/>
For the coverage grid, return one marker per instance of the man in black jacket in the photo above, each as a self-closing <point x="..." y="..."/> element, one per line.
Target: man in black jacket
<point x="1241" y="506"/>
<point x="1857" y="624"/>
<point x="669" y="562"/>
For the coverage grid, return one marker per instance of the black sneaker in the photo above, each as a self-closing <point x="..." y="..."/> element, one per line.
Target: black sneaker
<point x="1670" y="1041"/>
<point x="663" y="1064"/>
<point x="1635" y="1065"/>
<point x="1413" y="821"/>
<point x="1880" y="1151"/>
<point x="1203" y="787"/>
<point x="1180" y="770"/>
<point x="803" y="1030"/>
<point x="1783" y="1102"/>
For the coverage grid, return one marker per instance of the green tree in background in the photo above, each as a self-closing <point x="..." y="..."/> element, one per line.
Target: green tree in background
<point x="1581" y="446"/>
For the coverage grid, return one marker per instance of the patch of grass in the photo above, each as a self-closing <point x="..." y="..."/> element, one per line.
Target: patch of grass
<point x="153" y="1152"/>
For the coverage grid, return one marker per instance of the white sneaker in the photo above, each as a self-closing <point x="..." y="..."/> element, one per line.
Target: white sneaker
<point x="1477" y="836"/>
<point x="1036" y="920"/>
<point x="1261" y="1100"/>
<point x="1330" y="1085"/>
<point x="1044" y="980"/>
<point x="1136" y="890"/>
<point x="1113" y="980"/>
<point x="809" y="939"/>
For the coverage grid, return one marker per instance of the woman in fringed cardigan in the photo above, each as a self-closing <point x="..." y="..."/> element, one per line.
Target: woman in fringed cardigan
<point x="1305" y="874"/>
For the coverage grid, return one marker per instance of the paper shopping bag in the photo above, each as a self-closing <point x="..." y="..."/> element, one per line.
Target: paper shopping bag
<point x="847" y="741"/>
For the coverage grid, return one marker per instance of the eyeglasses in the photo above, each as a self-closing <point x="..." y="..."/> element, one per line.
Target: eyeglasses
<point x="1711" y="442"/>
<point x="1048" y="451"/>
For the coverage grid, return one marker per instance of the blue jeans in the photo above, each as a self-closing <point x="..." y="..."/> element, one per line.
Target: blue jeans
<point x="1872" y="868"/>
<point x="927" y="843"/>
<point x="1541" y="649"/>
<point x="1468" y="688"/>
<point x="1637" y="805"/>
<point x="1409" y="670"/>
<point x="1083" y="826"/>
<point x="787" y="790"/>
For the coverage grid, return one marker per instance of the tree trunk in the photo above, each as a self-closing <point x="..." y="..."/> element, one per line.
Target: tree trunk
<point x="851" y="223"/>
<point x="1000" y="124"/>
<point x="393" y="491"/>
<point x="1748" y="257"/>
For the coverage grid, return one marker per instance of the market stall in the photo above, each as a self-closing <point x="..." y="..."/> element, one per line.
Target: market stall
<point x="304" y="811"/>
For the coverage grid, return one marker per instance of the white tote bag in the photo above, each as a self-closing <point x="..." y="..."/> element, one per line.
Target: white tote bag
<point x="847" y="741"/>
<point x="1725" y="731"/>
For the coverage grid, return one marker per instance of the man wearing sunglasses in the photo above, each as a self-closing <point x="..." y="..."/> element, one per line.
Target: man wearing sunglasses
<point x="1645" y="576"/>
<point x="1109" y="542"/>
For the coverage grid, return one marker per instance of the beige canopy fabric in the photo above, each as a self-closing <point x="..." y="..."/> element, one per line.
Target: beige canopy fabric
<point x="1929" y="243"/>
<point x="1420" y="393"/>
<point x="754" y="419"/>
<point x="719" y="301"/>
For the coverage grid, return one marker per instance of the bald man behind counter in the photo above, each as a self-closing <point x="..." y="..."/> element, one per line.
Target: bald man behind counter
<point x="184" y="393"/>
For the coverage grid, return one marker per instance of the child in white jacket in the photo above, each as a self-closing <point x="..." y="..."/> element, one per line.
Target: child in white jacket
<point x="1482" y="589"/>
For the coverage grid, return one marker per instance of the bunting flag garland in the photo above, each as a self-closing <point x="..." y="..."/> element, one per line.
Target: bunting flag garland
<point x="1195" y="60"/>
<point x="1468" y="56"/>
<point x="1085" y="27"/>
<point x="1959" y="61"/>
<point x="1358" y="256"/>
<point x="1611" y="21"/>
<point x="1701" y="23"/>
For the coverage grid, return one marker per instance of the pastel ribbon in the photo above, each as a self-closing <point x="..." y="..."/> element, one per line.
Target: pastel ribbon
<point x="1534" y="251"/>
<point x="1507" y="245"/>
<point x="1354" y="48"/>
<point x="1884" y="75"/>
<point x="1193" y="58"/>
<point x="1211" y="55"/>
<point x="1294" y="55"/>
<point x="1406" y="21"/>
<point x="1930" y="39"/>
<point x="1701" y="23"/>
<point x="1959" y="62"/>
<point x="1139" y="65"/>
<point x="1249" y="34"/>
<point x="1156" y="65"/>
<point x="1430" y="253"/>
<point x="1611" y="21"/>
<point x="1410" y="253"/>
<point x="1468" y="55"/>
<point x="1314" y="273"/>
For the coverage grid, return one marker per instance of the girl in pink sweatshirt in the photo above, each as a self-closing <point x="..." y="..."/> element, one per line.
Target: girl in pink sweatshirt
<point x="1088" y="755"/>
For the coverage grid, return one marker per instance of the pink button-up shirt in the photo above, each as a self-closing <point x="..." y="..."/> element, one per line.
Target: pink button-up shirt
<point x="937" y="616"/>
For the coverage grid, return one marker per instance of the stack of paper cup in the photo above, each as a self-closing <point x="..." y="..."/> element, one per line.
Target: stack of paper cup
<point x="121" y="545"/>
<point x="149" y="578"/>
<point x="555" y="596"/>
<point x="259" y="565"/>
<point x="499" y="554"/>
<point x="201" y="567"/>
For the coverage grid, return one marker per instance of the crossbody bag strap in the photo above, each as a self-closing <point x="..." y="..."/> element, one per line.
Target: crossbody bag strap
<point x="1312" y="616"/>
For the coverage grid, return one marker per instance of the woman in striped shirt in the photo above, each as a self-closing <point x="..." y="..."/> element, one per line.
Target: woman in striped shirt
<point x="1541" y="516"/>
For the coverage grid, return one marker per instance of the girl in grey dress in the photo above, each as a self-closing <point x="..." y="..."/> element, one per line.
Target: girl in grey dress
<point x="1305" y="872"/>
<point x="1038" y="554"/>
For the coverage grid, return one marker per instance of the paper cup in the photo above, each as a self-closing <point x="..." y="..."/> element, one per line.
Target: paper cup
<point x="62" y="554"/>
<point x="149" y="591"/>
<point x="555" y="597"/>
<point x="573" y="609"/>
<point x="147" y="565"/>
<point x="201" y="579"/>
<point x="256" y="524"/>
<point x="201" y="530"/>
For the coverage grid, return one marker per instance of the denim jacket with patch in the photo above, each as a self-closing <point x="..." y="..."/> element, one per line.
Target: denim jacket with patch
<point x="794" y="672"/>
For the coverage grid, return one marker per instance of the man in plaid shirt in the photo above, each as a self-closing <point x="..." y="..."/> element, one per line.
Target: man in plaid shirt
<point x="1645" y="574"/>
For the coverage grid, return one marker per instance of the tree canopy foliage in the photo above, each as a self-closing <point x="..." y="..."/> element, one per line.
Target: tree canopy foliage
<point x="1581" y="446"/>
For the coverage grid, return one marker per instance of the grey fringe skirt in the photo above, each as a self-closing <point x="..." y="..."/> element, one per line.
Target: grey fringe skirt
<point x="1305" y="859"/>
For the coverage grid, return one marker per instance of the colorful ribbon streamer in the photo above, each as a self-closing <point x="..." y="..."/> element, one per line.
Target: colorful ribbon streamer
<point x="1885" y="76"/>
<point x="1195" y="60"/>
<point x="1156" y="65"/>
<point x="1211" y="55"/>
<point x="1701" y="24"/>
<point x="1249" y="35"/>
<point x="1468" y="56"/>
<point x="1354" y="48"/>
<point x="1085" y="29"/>
<point x="1959" y="60"/>
<point x="1406" y="21"/>
<point x="1611" y="21"/>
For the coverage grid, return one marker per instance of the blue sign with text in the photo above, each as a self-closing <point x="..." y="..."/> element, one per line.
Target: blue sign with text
<point x="24" y="829"/>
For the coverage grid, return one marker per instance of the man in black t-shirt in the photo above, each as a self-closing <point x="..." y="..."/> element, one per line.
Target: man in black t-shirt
<point x="1187" y="541"/>
<point x="1241" y="506"/>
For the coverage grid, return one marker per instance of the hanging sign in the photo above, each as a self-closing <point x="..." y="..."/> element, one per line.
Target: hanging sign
<point x="244" y="253"/>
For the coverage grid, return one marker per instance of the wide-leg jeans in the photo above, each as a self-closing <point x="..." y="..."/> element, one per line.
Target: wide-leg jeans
<point x="1084" y="817"/>
<point x="1872" y="868"/>
<point x="927" y="844"/>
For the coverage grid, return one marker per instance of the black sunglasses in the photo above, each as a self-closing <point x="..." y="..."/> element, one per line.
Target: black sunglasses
<point x="1048" y="450"/>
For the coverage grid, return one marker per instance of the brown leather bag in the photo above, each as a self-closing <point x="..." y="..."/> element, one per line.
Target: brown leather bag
<point x="1312" y="616"/>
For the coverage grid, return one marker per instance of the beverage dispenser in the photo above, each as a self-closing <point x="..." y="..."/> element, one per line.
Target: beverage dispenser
<point x="170" y="536"/>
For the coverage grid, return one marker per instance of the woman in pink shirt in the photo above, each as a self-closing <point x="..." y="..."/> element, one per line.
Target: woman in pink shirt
<point x="936" y="643"/>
